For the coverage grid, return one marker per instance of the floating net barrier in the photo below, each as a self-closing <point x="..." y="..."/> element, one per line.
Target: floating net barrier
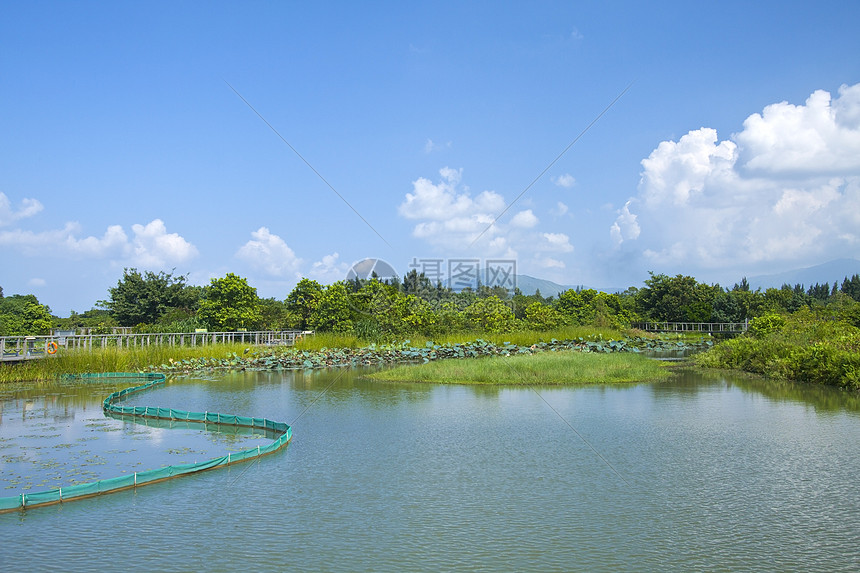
<point x="164" y="417"/>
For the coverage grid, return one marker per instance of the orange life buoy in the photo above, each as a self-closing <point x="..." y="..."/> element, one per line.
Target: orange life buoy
<point x="52" y="348"/>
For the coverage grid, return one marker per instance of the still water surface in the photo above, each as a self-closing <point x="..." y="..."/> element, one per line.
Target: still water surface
<point x="697" y="473"/>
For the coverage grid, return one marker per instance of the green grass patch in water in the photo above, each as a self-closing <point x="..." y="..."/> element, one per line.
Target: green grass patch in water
<point x="548" y="368"/>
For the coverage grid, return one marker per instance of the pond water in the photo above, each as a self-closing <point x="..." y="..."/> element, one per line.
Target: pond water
<point x="697" y="473"/>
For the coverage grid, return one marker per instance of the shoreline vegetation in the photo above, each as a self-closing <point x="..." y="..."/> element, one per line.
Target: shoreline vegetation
<point x="564" y="367"/>
<point x="810" y="336"/>
<point x="326" y="351"/>
<point x="807" y="346"/>
<point x="796" y="333"/>
<point x="811" y="346"/>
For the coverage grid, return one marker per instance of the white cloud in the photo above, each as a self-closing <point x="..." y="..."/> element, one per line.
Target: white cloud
<point x="558" y="242"/>
<point x="154" y="247"/>
<point x="567" y="181"/>
<point x="37" y="282"/>
<point x="786" y="188"/>
<point x="625" y="226"/>
<point x="560" y="209"/>
<point x="8" y="215"/>
<point x="151" y="247"/>
<point x="65" y="241"/>
<point x="269" y="253"/>
<point x="329" y="269"/>
<point x="821" y="136"/>
<point x="450" y="217"/>
<point x="524" y="219"/>
<point x="550" y="263"/>
<point x="430" y="146"/>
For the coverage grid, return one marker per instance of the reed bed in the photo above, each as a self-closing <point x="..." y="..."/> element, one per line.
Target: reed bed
<point x="546" y="368"/>
<point x="111" y="359"/>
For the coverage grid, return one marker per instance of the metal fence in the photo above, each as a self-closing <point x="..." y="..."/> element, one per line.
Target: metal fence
<point x="709" y="327"/>
<point x="15" y="348"/>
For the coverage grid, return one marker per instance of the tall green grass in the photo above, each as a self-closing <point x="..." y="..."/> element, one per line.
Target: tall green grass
<point x="111" y="359"/>
<point x="524" y="337"/>
<point x="322" y="340"/>
<point x="546" y="368"/>
<point x="809" y="345"/>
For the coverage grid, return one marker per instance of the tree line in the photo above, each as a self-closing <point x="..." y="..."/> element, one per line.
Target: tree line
<point x="373" y="308"/>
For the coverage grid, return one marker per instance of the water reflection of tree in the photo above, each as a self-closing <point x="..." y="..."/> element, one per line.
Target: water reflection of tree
<point x="823" y="398"/>
<point x="690" y="381"/>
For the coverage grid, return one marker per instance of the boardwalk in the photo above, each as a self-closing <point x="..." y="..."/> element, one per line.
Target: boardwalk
<point x="704" y="327"/>
<point x="19" y="348"/>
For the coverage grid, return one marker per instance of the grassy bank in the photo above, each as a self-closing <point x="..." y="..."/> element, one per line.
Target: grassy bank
<point x="110" y="359"/>
<point x="568" y="367"/>
<point x="523" y="338"/>
<point x="318" y="351"/>
<point x="803" y="347"/>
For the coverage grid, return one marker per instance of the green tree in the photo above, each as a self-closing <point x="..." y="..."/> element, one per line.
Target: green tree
<point x="491" y="314"/>
<point x="230" y="303"/>
<point x="303" y="300"/>
<point x="332" y="311"/>
<point x="24" y="315"/>
<point x="540" y="316"/>
<point x="276" y="316"/>
<point x="98" y="320"/>
<point x="676" y="299"/>
<point x="852" y="287"/>
<point x="143" y="298"/>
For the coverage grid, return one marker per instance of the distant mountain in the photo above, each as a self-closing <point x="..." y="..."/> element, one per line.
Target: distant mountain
<point x="529" y="285"/>
<point x="833" y="271"/>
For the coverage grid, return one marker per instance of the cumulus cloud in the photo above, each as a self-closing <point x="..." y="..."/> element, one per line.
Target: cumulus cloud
<point x="151" y="247"/>
<point x="269" y="253"/>
<point x="567" y="181"/>
<point x="784" y="189"/>
<point x="9" y="215"/>
<point x="550" y="263"/>
<point x="329" y="270"/>
<point x="66" y="241"/>
<point x="449" y="217"/>
<point x="154" y="247"/>
<point x="560" y="209"/>
<point x="821" y="136"/>
<point x="524" y="219"/>
<point x="625" y="226"/>
<point x="558" y="242"/>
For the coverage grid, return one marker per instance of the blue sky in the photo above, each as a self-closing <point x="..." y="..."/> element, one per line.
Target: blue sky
<point x="734" y="152"/>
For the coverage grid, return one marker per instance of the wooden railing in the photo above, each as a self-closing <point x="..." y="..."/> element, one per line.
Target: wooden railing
<point x="709" y="327"/>
<point x="16" y="348"/>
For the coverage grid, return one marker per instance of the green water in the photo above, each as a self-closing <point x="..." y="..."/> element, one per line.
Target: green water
<point x="696" y="473"/>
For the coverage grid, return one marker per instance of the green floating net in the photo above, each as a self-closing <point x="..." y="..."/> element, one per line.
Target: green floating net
<point x="282" y="431"/>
